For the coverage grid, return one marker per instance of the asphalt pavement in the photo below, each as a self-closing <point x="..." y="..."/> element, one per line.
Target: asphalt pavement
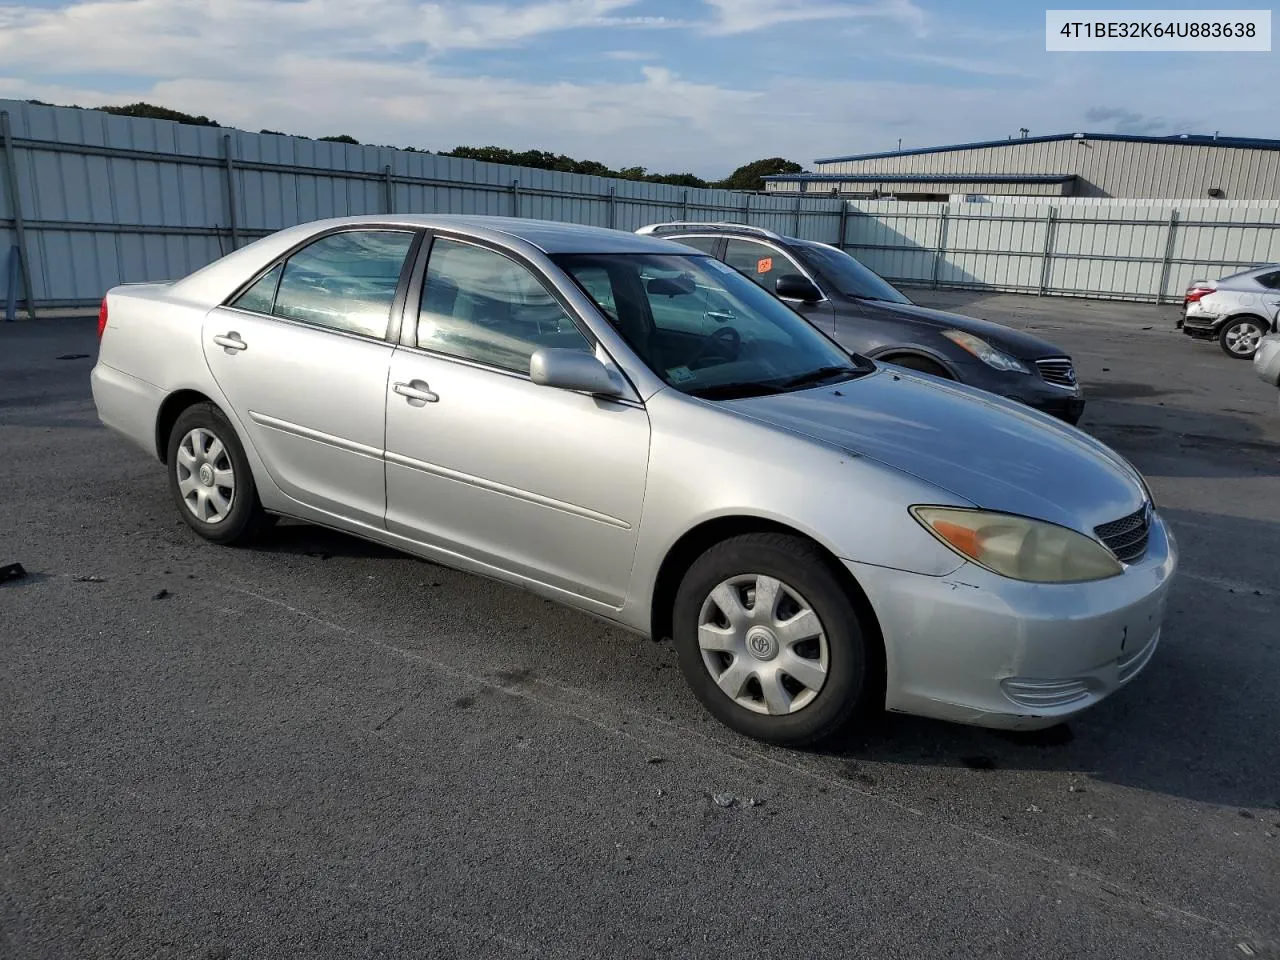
<point x="320" y="748"/>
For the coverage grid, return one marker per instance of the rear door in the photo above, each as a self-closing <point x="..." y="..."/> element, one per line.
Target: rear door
<point x="764" y="264"/>
<point x="302" y="356"/>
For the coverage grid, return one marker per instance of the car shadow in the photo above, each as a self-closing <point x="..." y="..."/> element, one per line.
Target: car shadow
<point x="1177" y="442"/>
<point x="307" y="540"/>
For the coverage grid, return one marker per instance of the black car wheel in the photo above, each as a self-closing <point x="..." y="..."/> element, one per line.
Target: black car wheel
<point x="210" y="479"/>
<point x="770" y="641"/>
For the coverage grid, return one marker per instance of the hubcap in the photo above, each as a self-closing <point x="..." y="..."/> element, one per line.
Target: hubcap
<point x="1244" y="338"/>
<point x="763" y="644"/>
<point x="206" y="478"/>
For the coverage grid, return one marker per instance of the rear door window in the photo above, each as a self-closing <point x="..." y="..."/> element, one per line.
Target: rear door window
<point x="345" y="281"/>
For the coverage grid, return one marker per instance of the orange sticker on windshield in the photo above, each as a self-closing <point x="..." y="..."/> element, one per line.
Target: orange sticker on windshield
<point x="764" y="264"/>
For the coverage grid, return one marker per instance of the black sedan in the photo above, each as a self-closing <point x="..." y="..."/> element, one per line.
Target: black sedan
<point x="867" y="315"/>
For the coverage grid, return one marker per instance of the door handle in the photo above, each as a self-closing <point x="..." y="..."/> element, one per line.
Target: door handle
<point x="416" y="392"/>
<point x="230" y="341"/>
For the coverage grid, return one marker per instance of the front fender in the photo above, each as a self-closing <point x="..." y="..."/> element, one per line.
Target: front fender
<point x="708" y="463"/>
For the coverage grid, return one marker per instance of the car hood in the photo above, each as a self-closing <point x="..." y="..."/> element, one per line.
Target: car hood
<point x="991" y="452"/>
<point x="1022" y="345"/>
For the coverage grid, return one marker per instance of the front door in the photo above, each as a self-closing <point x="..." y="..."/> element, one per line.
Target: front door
<point x="764" y="264"/>
<point x="542" y="483"/>
<point x="302" y="356"/>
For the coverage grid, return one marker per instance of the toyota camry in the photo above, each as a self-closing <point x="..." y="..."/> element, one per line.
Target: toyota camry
<point x="633" y="428"/>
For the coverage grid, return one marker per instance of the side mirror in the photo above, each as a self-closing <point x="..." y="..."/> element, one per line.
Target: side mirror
<point x="792" y="286"/>
<point x="572" y="370"/>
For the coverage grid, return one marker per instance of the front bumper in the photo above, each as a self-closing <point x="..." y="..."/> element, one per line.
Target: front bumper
<point x="1065" y="403"/>
<point x="977" y="648"/>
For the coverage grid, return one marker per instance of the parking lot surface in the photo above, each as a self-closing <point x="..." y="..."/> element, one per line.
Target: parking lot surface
<point x="321" y="748"/>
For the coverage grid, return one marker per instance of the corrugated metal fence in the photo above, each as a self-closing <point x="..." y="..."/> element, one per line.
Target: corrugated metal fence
<point x="1109" y="249"/>
<point x="95" y="200"/>
<point x="105" y="199"/>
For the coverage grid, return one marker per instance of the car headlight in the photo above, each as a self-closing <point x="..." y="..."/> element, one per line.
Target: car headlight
<point x="985" y="351"/>
<point x="1019" y="548"/>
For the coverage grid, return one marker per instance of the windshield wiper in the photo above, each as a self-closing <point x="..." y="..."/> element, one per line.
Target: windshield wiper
<point x="820" y="375"/>
<point x="735" y="391"/>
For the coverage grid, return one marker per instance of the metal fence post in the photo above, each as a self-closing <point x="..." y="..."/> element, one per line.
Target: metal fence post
<point x="515" y="198"/>
<point x="230" y="168"/>
<point x="613" y="208"/>
<point x="1167" y="265"/>
<point x="940" y="248"/>
<point x="390" y="188"/>
<point x="685" y="207"/>
<point x="799" y="199"/>
<point x="19" y="229"/>
<point x="11" y="301"/>
<point x="844" y="224"/>
<point x="746" y="209"/>
<point x="1047" y="256"/>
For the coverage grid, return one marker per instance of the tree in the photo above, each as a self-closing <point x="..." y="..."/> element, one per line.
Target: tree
<point x="153" y="112"/>
<point x="341" y="138"/>
<point x="751" y="176"/>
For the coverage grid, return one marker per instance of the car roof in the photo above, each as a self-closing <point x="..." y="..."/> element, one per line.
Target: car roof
<point x="1250" y="273"/>
<point x="217" y="280"/>
<point x="549" y="236"/>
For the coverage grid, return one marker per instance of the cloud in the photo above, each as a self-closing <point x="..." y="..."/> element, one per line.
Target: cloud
<point x="744" y="16"/>
<point x="155" y="37"/>
<point x="628" y="56"/>
<point x="385" y="71"/>
<point x="974" y="65"/>
<point x="1120" y="120"/>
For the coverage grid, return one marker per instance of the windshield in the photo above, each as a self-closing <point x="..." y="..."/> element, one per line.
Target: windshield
<point x="707" y="330"/>
<point x="846" y="274"/>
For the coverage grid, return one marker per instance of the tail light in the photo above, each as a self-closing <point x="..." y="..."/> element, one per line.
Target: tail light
<point x="102" y="318"/>
<point x="1195" y="293"/>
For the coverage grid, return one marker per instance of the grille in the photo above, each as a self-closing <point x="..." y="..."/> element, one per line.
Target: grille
<point x="1060" y="372"/>
<point x="1127" y="537"/>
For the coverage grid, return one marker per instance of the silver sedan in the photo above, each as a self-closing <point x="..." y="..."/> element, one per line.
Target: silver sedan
<point x="631" y="428"/>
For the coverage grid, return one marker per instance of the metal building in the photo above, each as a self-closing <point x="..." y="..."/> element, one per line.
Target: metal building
<point x="1182" y="167"/>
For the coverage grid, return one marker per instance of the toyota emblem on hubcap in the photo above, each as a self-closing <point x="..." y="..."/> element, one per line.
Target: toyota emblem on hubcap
<point x="762" y="644"/>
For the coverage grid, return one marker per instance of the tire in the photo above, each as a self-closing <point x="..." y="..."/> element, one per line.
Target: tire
<point x="799" y="714"/>
<point x="922" y="365"/>
<point x="1239" y="337"/>
<point x="213" y="487"/>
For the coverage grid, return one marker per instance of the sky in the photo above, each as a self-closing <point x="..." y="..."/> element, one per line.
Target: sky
<point x="697" y="86"/>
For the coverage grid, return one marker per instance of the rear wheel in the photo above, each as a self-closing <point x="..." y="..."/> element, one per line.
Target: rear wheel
<point x="210" y="479"/>
<point x="922" y="365"/>
<point x="1240" y="337"/>
<point x="769" y="640"/>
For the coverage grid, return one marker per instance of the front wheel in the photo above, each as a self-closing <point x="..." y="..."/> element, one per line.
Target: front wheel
<point x="922" y="365"/>
<point x="1240" y="338"/>
<point x="210" y="479"/>
<point x="769" y="640"/>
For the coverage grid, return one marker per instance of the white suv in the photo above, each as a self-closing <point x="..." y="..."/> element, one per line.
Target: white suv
<point x="1237" y="311"/>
